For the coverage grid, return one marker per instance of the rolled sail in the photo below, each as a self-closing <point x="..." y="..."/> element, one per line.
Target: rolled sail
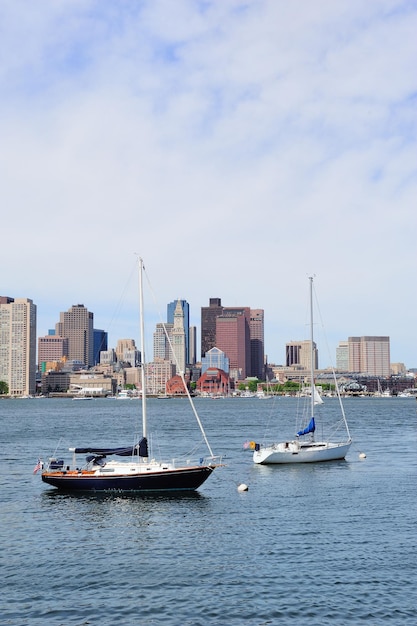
<point x="139" y="449"/>
<point x="310" y="428"/>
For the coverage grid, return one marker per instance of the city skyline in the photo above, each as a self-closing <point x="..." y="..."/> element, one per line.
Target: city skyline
<point x="151" y="329"/>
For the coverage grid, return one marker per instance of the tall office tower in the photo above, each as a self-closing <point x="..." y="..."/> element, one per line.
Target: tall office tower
<point x="178" y="339"/>
<point x="232" y="337"/>
<point x="297" y="353"/>
<point x="370" y="355"/>
<point x="51" y="348"/>
<point x="161" y="349"/>
<point x="77" y="325"/>
<point x="192" y="348"/>
<point x="18" y="345"/>
<point x="342" y="356"/>
<point x="100" y="344"/>
<point x="243" y="311"/>
<point x="257" y="351"/>
<point x="208" y="324"/>
<point x="171" y="306"/>
<point x="354" y="355"/>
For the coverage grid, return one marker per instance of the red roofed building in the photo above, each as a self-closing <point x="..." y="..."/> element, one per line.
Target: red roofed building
<point x="175" y="386"/>
<point x="213" y="381"/>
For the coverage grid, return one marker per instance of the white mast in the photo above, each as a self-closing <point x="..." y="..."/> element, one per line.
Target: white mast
<point x="142" y="349"/>
<point x="311" y="348"/>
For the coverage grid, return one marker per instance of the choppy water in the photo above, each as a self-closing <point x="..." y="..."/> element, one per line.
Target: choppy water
<point x="323" y="544"/>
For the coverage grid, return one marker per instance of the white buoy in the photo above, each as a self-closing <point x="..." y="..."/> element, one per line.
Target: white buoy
<point x="242" y="487"/>
<point x="362" y="455"/>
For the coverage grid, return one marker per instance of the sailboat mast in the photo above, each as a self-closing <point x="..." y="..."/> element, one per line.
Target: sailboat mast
<point x="142" y="349"/>
<point x="311" y="348"/>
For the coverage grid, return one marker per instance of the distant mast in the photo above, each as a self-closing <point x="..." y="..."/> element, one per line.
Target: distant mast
<point x="311" y="348"/>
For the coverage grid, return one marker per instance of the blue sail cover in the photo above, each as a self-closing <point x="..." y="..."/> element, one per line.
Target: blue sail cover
<point x="310" y="428"/>
<point x="140" y="449"/>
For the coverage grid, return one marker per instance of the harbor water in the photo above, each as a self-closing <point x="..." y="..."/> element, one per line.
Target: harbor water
<point x="331" y="543"/>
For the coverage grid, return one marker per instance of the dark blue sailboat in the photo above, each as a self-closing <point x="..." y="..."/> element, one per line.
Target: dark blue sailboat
<point x="104" y="470"/>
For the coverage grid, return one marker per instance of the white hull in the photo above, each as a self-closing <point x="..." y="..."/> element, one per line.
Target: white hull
<point x="296" y="452"/>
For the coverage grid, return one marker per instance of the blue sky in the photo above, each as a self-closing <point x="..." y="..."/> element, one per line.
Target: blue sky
<point x="237" y="146"/>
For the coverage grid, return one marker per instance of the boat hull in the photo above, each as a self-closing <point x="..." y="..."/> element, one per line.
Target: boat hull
<point x="179" y="479"/>
<point x="293" y="452"/>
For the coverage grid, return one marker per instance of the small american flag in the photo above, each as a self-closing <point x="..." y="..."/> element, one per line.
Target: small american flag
<point x="38" y="466"/>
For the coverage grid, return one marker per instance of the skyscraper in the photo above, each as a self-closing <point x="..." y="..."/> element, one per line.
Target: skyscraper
<point x="192" y="348"/>
<point x="208" y="324"/>
<point x="77" y="325"/>
<point x="18" y="345"/>
<point x="342" y="356"/>
<point x="370" y="355"/>
<point x="161" y="348"/>
<point x="178" y="338"/>
<point x="253" y="324"/>
<point x="100" y="344"/>
<point x="257" y="350"/>
<point x="232" y="337"/>
<point x="171" y="306"/>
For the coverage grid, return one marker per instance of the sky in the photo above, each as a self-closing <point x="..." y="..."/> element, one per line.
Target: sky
<point x="237" y="146"/>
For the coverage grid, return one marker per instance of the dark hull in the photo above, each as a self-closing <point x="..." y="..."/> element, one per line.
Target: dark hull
<point x="181" y="479"/>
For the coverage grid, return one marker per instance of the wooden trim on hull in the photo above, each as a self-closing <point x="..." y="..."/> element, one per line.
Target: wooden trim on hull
<point x="187" y="479"/>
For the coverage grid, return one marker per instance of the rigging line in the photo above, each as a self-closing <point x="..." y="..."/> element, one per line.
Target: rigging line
<point x="181" y="374"/>
<point x="118" y="307"/>
<point x="331" y="363"/>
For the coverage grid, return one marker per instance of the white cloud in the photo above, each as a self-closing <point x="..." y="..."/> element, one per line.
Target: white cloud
<point x="236" y="146"/>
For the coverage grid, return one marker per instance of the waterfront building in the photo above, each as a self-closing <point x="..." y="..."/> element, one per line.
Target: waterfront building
<point x="55" y="382"/>
<point x="175" y="386"/>
<point x="157" y="374"/>
<point x="18" y="345"/>
<point x="214" y="381"/>
<point x="91" y="385"/>
<point x="370" y="355"/>
<point x="77" y="325"/>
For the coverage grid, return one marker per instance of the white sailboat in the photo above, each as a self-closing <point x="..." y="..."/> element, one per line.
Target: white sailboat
<point x="138" y="472"/>
<point x="298" y="450"/>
